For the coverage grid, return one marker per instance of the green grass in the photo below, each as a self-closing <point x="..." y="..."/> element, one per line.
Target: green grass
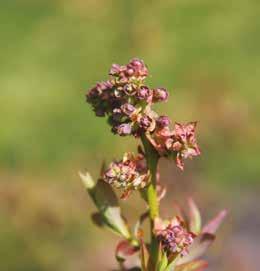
<point x="52" y="52"/>
<point x="207" y="53"/>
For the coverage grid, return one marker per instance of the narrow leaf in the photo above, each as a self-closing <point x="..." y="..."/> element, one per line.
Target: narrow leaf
<point x="172" y="263"/>
<point x="163" y="262"/>
<point x="195" y="218"/>
<point x="214" y="224"/>
<point x="107" y="204"/>
<point x="139" y="223"/>
<point x="87" y="180"/>
<point x="144" y="255"/>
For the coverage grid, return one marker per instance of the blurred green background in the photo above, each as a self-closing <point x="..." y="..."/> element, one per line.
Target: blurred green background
<point x="207" y="54"/>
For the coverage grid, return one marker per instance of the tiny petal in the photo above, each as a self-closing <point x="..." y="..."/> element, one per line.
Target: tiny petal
<point x="128" y="109"/>
<point x="124" y="129"/>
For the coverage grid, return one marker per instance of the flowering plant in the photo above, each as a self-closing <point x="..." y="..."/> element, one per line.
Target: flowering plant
<point x="175" y="244"/>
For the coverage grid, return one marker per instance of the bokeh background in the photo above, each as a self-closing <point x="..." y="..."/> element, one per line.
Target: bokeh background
<point x="207" y="53"/>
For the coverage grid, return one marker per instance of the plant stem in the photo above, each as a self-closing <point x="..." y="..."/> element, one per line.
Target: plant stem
<point x="152" y="159"/>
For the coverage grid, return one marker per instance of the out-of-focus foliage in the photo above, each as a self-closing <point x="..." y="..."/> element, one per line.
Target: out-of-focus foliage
<point x="207" y="53"/>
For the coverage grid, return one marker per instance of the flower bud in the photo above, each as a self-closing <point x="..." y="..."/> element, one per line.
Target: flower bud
<point x="163" y="121"/>
<point x="124" y="129"/>
<point x="145" y="122"/>
<point x="160" y="95"/>
<point x="140" y="70"/>
<point x="115" y="69"/>
<point x="129" y="89"/>
<point x="144" y="93"/>
<point x="128" y="109"/>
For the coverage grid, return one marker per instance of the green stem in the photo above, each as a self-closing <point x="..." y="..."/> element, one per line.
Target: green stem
<point x="152" y="159"/>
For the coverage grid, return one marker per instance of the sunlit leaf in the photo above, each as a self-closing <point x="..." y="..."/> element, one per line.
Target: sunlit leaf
<point x="163" y="262"/>
<point x="172" y="262"/>
<point x="107" y="204"/>
<point x="195" y="218"/>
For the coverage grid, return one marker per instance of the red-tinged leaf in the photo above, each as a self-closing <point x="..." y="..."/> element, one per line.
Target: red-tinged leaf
<point x="214" y="224"/>
<point x="198" y="265"/>
<point x="198" y="248"/>
<point x="125" y="249"/>
<point x="195" y="218"/>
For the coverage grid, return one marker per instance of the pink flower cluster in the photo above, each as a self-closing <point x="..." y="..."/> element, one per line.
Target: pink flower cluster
<point x="128" y="174"/>
<point x="127" y="102"/>
<point x="174" y="237"/>
<point x="179" y="142"/>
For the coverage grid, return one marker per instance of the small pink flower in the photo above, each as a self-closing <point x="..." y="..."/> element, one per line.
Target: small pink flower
<point x="184" y="142"/>
<point x="174" y="237"/>
<point x="128" y="174"/>
<point x="160" y="95"/>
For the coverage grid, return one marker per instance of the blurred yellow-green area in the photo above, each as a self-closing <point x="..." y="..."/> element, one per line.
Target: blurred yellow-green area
<point x="206" y="53"/>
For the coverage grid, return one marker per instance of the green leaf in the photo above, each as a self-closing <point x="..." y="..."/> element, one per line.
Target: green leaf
<point x="163" y="262"/>
<point x="195" y="218"/>
<point x="198" y="265"/>
<point x="107" y="204"/>
<point x="172" y="263"/>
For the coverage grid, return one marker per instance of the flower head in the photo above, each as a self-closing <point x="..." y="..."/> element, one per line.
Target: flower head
<point x="127" y="102"/>
<point x="124" y="96"/>
<point x="128" y="174"/>
<point x="184" y="142"/>
<point x="179" y="142"/>
<point x="173" y="235"/>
